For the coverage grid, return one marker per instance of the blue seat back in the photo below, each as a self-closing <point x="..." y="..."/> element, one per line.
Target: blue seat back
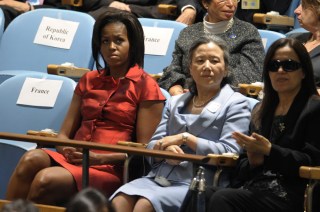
<point x="21" y="118"/>
<point x="290" y="12"/>
<point x="268" y="37"/>
<point x="19" y="52"/>
<point x="295" y="32"/>
<point x="155" y="64"/>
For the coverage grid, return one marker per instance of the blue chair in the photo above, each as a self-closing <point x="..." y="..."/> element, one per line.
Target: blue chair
<point x="290" y="12"/>
<point x="155" y="64"/>
<point x="1" y="23"/>
<point x="296" y="31"/>
<point x="268" y="37"/>
<point x="19" y="52"/>
<point x="18" y="118"/>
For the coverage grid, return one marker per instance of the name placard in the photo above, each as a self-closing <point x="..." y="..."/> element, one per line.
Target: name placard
<point x="56" y="32"/>
<point x="250" y="4"/>
<point x="157" y="40"/>
<point x="39" y="92"/>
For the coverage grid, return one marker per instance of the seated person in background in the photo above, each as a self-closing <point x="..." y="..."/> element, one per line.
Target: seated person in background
<point x="197" y="122"/>
<point x="285" y="135"/>
<point x="19" y="205"/>
<point x="13" y="8"/>
<point x="117" y="102"/>
<point x="89" y="200"/>
<point x="149" y="9"/>
<point x="265" y="6"/>
<point x="308" y="15"/>
<point x="244" y="42"/>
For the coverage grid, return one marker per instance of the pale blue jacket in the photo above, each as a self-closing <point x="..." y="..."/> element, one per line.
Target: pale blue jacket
<point x="229" y="111"/>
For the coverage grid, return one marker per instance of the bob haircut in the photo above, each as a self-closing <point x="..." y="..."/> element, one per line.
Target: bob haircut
<point x="135" y="36"/>
<point x="226" y="56"/>
<point x="271" y="98"/>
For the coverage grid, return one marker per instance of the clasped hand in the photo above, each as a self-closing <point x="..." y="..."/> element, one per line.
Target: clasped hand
<point x="256" y="146"/>
<point x="172" y="144"/>
<point x="75" y="156"/>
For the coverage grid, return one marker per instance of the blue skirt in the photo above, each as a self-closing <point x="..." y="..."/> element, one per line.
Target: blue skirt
<point x="162" y="198"/>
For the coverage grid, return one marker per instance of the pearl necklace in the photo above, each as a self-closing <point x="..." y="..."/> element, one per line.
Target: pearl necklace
<point x="200" y="105"/>
<point x="214" y="30"/>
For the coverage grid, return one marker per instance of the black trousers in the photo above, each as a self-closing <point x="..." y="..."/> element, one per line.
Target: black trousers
<point x="240" y="200"/>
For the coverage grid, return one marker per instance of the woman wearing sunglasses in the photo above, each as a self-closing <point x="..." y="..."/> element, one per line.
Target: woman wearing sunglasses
<point x="284" y="136"/>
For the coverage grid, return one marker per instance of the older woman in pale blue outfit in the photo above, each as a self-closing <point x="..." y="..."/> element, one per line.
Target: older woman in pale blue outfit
<point x="198" y="122"/>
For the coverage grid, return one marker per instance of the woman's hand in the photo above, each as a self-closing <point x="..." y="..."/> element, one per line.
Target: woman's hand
<point x="176" y="90"/>
<point x="72" y="155"/>
<point x="175" y="149"/>
<point x="255" y="143"/>
<point x="75" y="156"/>
<point x="119" y="5"/>
<point x="188" y="16"/>
<point x="169" y="141"/>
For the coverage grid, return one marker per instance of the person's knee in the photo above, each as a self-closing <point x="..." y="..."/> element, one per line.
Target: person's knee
<point x="31" y="162"/>
<point x="43" y="184"/>
<point x="124" y="202"/>
<point x="143" y="204"/>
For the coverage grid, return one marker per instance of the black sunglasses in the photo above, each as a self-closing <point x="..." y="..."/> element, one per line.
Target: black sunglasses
<point x="287" y="65"/>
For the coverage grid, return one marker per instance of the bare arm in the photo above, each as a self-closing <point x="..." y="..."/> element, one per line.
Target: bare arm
<point x="72" y="120"/>
<point x="148" y="118"/>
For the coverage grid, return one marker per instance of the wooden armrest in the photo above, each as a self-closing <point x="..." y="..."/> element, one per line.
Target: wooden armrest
<point x="309" y="172"/>
<point x="261" y="18"/>
<point x="74" y="3"/>
<point x="67" y="71"/>
<point x="226" y="160"/>
<point x="42" y="133"/>
<point x="155" y="76"/>
<point x="133" y="144"/>
<point x="249" y="89"/>
<point x="167" y="9"/>
<point x="41" y="207"/>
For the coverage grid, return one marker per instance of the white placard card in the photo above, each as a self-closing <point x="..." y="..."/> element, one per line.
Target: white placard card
<point x="56" y="32"/>
<point x="157" y="40"/>
<point x="39" y="92"/>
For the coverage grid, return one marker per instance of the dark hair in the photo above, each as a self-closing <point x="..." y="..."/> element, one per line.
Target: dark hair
<point x="134" y="30"/>
<point x="205" y="40"/>
<point x="89" y="200"/>
<point x="201" y="3"/>
<point x="271" y="99"/>
<point x="19" y="205"/>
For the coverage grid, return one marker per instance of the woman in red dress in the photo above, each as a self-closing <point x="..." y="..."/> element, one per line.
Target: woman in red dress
<point x="118" y="102"/>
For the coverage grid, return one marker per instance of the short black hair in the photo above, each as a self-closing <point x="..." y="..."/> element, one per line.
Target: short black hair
<point x="134" y="30"/>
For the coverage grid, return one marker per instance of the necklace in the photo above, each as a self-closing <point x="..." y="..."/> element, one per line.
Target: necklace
<point x="217" y="30"/>
<point x="200" y="105"/>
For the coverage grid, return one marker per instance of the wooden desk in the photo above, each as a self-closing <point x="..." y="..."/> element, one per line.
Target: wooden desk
<point x="211" y="159"/>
